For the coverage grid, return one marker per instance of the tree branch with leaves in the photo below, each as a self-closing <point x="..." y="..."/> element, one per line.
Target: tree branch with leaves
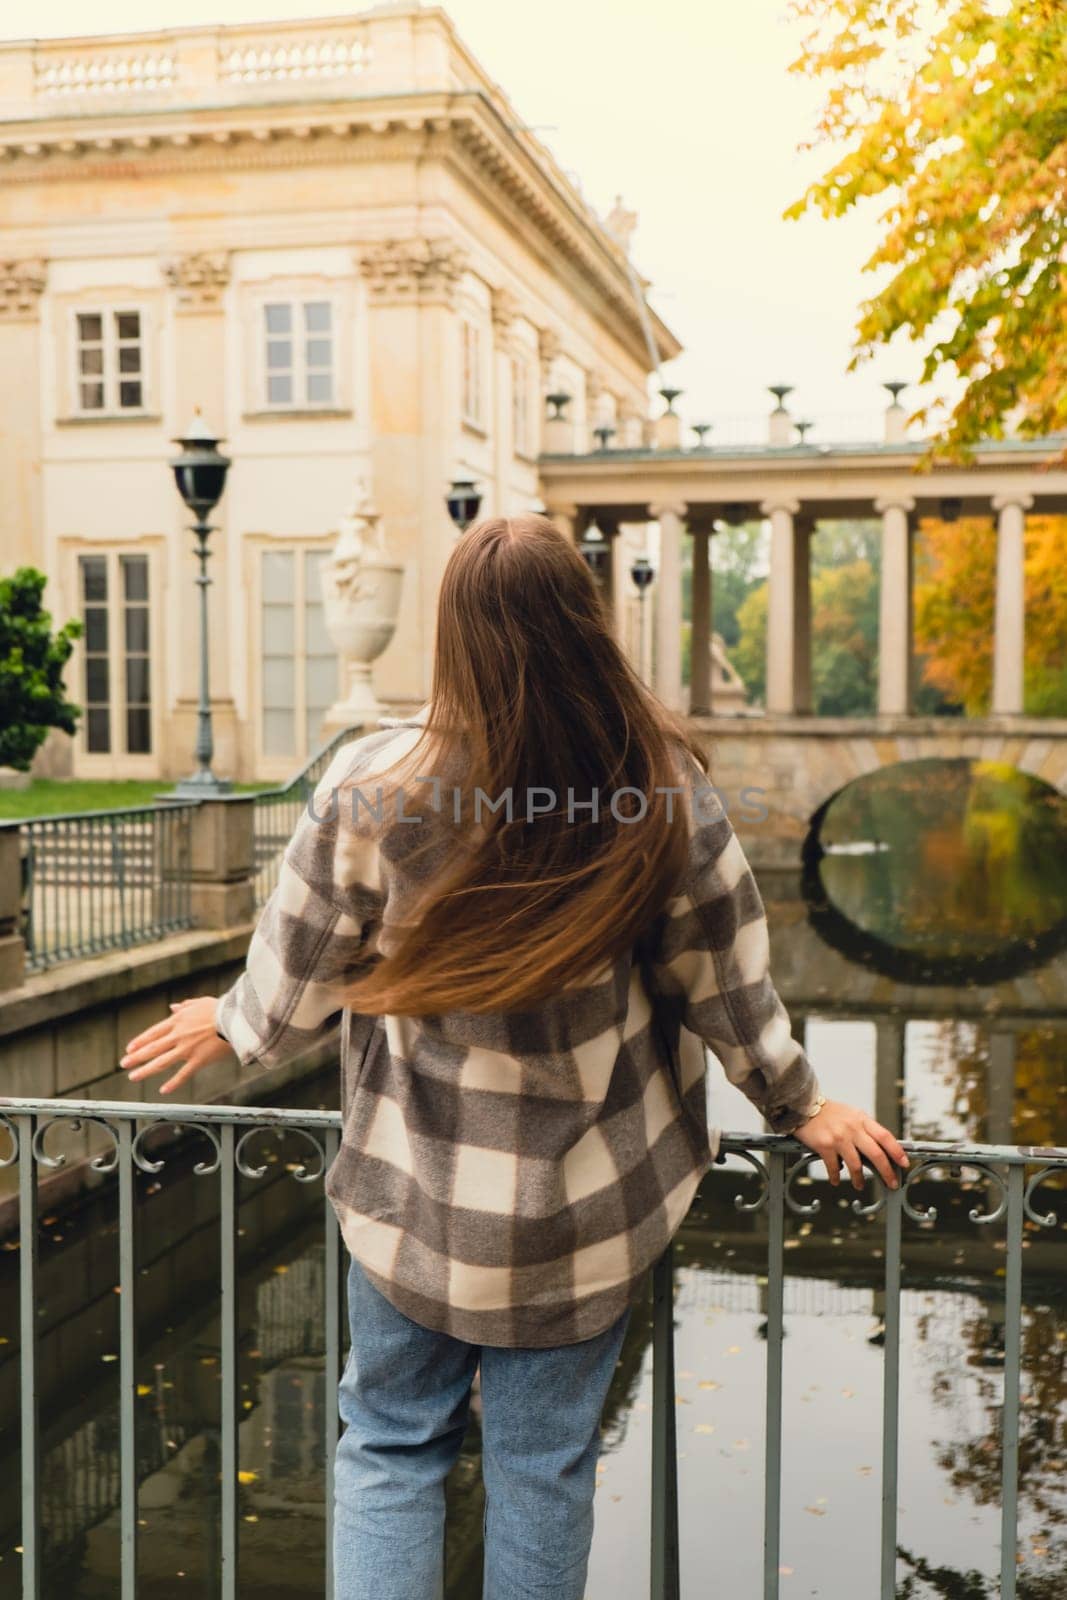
<point x="955" y="111"/>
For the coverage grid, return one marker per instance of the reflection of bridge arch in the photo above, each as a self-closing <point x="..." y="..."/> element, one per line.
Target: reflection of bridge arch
<point x="775" y="773"/>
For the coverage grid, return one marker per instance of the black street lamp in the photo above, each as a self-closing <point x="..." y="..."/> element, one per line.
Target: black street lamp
<point x="200" y="474"/>
<point x="642" y="573"/>
<point x="464" y="501"/>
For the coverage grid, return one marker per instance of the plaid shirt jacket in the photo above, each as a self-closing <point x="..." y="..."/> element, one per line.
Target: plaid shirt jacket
<point x="508" y="1179"/>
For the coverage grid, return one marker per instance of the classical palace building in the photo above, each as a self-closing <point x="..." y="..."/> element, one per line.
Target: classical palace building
<point x="339" y="242"/>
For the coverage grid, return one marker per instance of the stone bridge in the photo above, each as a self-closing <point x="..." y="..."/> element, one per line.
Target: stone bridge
<point x="788" y="766"/>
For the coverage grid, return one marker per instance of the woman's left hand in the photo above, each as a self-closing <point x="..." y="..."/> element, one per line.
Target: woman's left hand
<point x="188" y="1035"/>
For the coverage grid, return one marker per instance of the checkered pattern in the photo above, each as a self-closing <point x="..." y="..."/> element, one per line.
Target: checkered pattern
<point x="508" y="1179"/>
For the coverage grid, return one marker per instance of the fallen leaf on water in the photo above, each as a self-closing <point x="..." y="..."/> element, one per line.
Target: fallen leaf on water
<point x="704" y="1427"/>
<point x="708" y="1383"/>
<point x="786" y="1572"/>
<point x="733" y="1350"/>
<point x="144" y="1388"/>
<point x="816" y="1511"/>
<point x="109" y="1358"/>
<point x="247" y="1477"/>
<point x="848" y="1393"/>
<point x="281" y="1269"/>
<point x="865" y="1472"/>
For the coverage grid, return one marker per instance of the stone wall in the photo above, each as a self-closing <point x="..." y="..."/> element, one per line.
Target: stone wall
<point x="62" y="1033"/>
<point x="775" y="772"/>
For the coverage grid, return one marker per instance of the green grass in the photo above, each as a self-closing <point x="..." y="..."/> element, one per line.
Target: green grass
<point x="47" y="796"/>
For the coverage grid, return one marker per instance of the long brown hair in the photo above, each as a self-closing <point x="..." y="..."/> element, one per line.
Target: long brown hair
<point x="528" y="676"/>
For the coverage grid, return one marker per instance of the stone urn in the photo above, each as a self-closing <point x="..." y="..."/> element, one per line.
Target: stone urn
<point x="361" y="596"/>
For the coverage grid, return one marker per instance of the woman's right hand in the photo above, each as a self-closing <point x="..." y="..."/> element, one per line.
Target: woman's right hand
<point x="188" y="1035"/>
<point x="840" y="1133"/>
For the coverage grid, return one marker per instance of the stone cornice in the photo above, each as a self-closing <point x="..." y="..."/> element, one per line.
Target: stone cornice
<point x="465" y="128"/>
<point x="21" y="286"/>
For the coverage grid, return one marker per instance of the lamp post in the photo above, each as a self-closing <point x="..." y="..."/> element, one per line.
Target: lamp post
<point x="464" y="501"/>
<point x="594" y="550"/>
<point x="642" y="573"/>
<point x="200" y="474"/>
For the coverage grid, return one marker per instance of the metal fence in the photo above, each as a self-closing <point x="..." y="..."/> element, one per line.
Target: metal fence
<point x="1003" y="1180"/>
<point x="277" y="811"/>
<point x="103" y="880"/>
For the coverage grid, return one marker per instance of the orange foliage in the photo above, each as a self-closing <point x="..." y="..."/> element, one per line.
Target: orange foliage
<point x="954" y="597"/>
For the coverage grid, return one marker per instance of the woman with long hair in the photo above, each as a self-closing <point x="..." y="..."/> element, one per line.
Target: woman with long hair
<point x="529" y="912"/>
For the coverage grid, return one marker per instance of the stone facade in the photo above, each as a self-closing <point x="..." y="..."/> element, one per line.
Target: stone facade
<point x="340" y="244"/>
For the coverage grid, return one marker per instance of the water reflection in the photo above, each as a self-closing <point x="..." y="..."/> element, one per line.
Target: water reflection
<point x="935" y="871"/>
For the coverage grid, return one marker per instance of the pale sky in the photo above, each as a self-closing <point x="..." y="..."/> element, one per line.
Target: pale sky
<point x="686" y="109"/>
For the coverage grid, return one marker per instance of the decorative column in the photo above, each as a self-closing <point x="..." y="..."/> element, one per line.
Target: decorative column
<point x="700" y="702"/>
<point x="1009" y="625"/>
<point x="413" y="358"/>
<point x="198" y="281"/>
<point x="788" y="610"/>
<point x="568" y="518"/>
<point x="608" y="523"/>
<point x="22" y="284"/>
<point x="894" y="612"/>
<point x="504" y="309"/>
<point x="667" y="666"/>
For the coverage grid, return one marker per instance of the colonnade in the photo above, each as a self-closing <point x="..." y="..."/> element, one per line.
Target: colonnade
<point x="789" y="616"/>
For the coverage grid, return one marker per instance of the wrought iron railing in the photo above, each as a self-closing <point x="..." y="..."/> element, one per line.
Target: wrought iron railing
<point x="94" y="881"/>
<point x="1010" y="1175"/>
<point x="277" y="810"/>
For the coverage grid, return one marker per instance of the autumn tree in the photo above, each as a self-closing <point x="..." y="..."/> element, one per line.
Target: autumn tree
<point x="955" y="114"/>
<point x="954" y="598"/>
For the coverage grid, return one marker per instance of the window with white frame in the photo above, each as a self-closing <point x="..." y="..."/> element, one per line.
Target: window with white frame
<point x="471" y="351"/>
<point x="299" y="354"/>
<point x="109" y="361"/>
<point x="299" y="679"/>
<point x="520" y="406"/>
<point x="116" y="655"/>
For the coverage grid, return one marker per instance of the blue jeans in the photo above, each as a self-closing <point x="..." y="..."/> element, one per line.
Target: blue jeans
<point x="404" y="1399"/>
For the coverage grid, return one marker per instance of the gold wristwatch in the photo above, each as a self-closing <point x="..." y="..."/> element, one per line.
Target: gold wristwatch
<point x="815" y="1107"/>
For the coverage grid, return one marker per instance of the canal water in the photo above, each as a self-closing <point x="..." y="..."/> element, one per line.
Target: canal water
<point x="941" y="1010"/>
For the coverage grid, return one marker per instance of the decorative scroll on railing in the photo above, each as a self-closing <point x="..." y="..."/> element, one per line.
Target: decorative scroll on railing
<point x="277" y="811"/>
<point x="237" y="1141"/>
<point x="103" y="880"/>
